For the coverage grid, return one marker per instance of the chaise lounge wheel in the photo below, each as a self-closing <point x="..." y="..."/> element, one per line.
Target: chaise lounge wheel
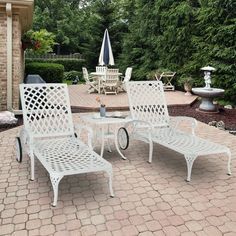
<point x="19" y="151"/>
<point x="123" y="138"/>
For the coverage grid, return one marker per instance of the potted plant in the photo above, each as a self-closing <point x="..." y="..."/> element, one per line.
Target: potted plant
<point x="39" y="42"/>
<point x="187" y="82"/>
<point x="102" y="108"/>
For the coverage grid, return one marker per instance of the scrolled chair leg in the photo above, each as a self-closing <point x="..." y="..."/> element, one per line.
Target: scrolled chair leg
<point x="55" y="180"/>
<point x="110" y="175"/>
<point x="229" y="162"/>
<point x="31" y="154"/>
<point x="189" y="160"/>
<point x="150" y="149"/>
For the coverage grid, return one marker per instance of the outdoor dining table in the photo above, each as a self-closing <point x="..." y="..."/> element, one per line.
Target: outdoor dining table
<point x="100" y="76"/>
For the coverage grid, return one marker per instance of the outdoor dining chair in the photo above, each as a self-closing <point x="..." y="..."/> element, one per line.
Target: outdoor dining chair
<point x="125" y="79"/>
<point x="111" y="83"/>
<point x="167" y="78"/>
<point x="112" y="70"/>
<point x="90" y="81"/>
<point x="152" y="123"/>
<point x="101" y="69"/>
<point x="50" y="136"/>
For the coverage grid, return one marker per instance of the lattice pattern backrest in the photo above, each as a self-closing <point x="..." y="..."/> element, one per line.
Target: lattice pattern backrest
<point x="46" y="109"/>
<point x="147" y="102"/>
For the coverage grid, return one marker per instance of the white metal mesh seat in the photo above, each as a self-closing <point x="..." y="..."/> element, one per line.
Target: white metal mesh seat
<point x="50" y="135"/>
<point x="67" y="156"/>
<point x="152" y="123"/>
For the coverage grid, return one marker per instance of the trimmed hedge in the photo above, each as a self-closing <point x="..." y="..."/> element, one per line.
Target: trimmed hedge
<point x="50" y="72"/>
<point x="69" y="64"/>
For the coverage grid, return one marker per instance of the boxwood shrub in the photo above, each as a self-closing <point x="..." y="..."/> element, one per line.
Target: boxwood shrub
<point x="50" y="72"/>
<point x="69" y="64"/>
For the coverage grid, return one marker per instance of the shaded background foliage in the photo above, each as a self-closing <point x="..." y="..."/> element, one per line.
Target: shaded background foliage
<point x="178" y="35"/>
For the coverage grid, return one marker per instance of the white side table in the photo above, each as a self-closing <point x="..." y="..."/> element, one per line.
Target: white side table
<point x="105" y="123"/>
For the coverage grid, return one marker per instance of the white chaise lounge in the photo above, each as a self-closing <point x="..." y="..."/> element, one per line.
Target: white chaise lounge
<point x="152" y="123"/>
<point x="49" y="135"/>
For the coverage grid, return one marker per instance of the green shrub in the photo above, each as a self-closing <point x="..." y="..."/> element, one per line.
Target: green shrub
<point x="71" y="75"/>
<point x="50" y="72"/>
<point x="69" y="64"/>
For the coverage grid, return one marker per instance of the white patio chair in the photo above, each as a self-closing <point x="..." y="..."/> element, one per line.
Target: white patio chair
<point x="101" y="69"/>
<point x="114" y="71"/>
<point x="90" y="80"/>
<point x="151" y="123"/>
<point x="166" y="78"/>
<point x="111" y="83"/>
<point x="49" y="135"/>
<point x="125" y="79"/>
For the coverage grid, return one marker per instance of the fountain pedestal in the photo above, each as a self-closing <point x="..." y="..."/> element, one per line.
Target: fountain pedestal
<point x="207" y="95"/>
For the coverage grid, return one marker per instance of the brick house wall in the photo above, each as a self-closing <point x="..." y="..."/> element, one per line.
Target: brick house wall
<point x="18" y="61"/>
<point x="21" y="15"/>
<point x="3" y="61"/>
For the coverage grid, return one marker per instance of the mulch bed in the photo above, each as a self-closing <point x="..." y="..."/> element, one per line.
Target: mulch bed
<point x="228" y="116"/>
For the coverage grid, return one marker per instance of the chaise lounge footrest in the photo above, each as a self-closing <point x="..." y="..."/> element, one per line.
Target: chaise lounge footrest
<point x="189" y="145"/>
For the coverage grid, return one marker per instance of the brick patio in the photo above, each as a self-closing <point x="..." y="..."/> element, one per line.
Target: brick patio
<point x="151" y="199"/>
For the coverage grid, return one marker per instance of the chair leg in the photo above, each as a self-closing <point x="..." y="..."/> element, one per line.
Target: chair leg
<point x="32" y="165"/>
<point x="110" y="174"/>
<point x="229" y="161"/>
<point x="189" y="160"/>
<point x="55" y="180"/>
<point x="150" y="150"/>
<point x="109" y="145"/>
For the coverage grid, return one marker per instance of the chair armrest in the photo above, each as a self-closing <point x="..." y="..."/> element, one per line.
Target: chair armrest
<point x="144" y="123"/>
<point x="176" y="120"/>
<point x="78" y="130"/>
<point x="91" y="77"/>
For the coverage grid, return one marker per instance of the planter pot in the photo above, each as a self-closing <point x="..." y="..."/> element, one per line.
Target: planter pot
<point x="188" y="89"/>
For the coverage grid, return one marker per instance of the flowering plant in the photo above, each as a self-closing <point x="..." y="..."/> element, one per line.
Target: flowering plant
<point x="98" y="99"/>
<point x="40" y="42"/>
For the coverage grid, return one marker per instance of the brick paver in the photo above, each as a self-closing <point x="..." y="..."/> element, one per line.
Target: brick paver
<point x="150" y="199"/>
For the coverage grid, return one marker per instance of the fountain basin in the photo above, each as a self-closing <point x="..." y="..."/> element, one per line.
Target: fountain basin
<point x="207" y="95"/>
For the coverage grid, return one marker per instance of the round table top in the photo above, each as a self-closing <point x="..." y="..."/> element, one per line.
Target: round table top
<point x="109" y="119"/>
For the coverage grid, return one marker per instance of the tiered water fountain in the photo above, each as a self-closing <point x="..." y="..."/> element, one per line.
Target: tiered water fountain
<point x="207" y="93"/>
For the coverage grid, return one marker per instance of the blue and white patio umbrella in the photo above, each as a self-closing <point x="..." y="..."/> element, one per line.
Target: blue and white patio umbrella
<point x="106" y="55"/>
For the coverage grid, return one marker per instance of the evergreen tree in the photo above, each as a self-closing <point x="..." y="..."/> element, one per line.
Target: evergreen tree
<point x="214" y="42"/>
